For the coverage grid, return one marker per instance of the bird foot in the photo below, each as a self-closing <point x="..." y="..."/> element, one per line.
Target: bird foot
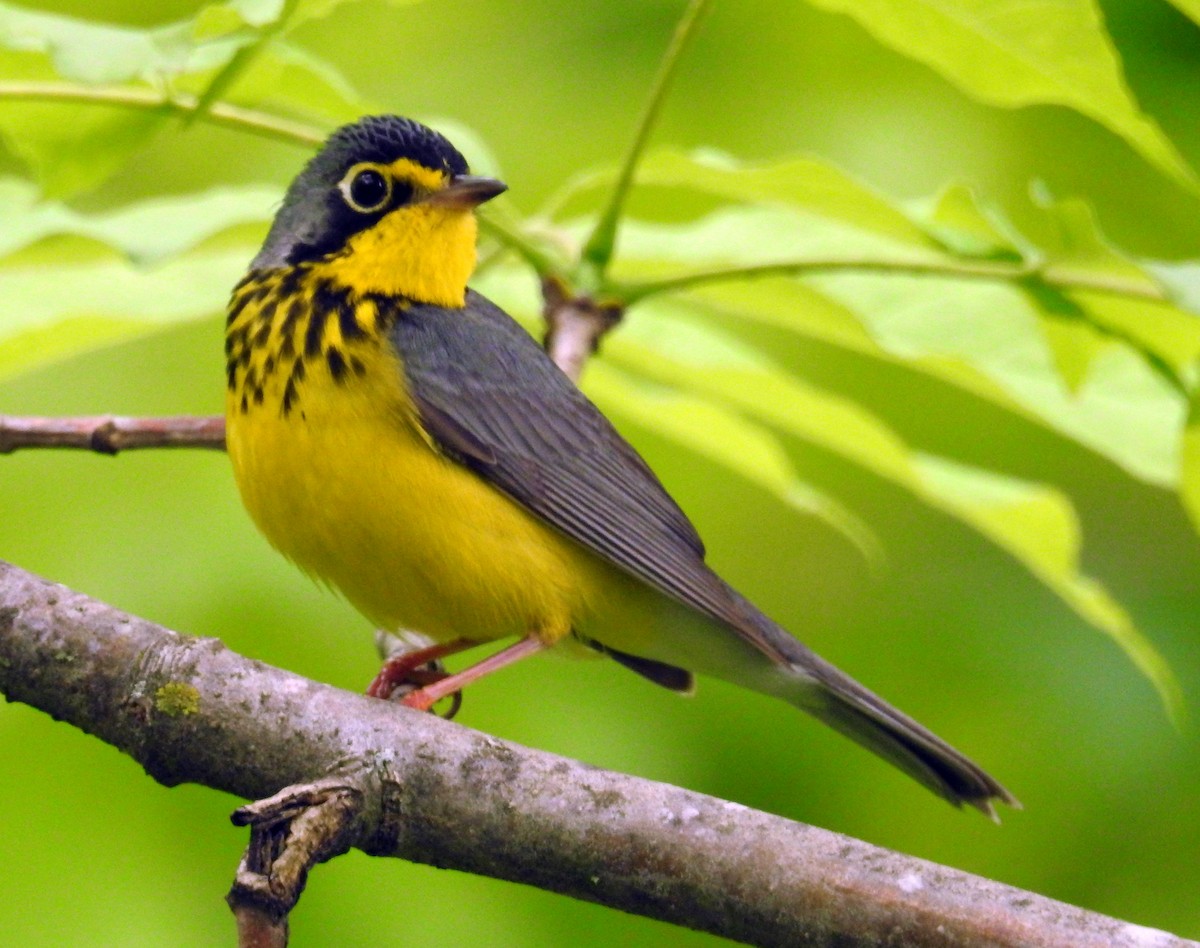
<point x="407" y="674"/>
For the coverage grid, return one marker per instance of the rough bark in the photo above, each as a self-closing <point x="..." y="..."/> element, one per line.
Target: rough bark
<point x="396" y="782"/>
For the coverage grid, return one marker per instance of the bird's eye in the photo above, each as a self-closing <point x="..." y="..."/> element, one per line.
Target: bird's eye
<point x="366" y="188"/>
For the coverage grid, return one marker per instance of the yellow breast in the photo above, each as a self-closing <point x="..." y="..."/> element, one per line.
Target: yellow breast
<point x="336" y="471"/>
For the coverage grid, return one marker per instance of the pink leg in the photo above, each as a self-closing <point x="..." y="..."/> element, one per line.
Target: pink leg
<point x="424" y="698"/>
<point x="399" y="669"/>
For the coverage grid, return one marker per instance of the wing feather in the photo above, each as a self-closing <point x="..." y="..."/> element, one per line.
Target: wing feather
<point x="491" y="398"/>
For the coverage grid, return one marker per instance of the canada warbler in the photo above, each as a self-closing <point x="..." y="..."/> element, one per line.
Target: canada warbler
<point x="401" y="438"/>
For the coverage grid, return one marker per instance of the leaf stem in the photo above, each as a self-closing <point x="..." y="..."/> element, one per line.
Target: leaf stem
<point x="630" y="293"/>
<point x="219" y="113"/>
<point x="526" y="249"/>
<point x="598" y="250"/>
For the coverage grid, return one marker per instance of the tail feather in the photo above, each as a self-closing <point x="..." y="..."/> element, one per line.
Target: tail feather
<point x="851" y="709"/>
<point x="821" y="689"/>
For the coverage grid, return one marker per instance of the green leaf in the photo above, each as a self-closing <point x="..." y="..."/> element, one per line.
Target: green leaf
<point x="71" y="148"/>
<point x="1033" y="352"/>
<point x="984" y="339"/>
<point x="1182" y="278"/>
<point x="1075" y="248"/>
<point x="102" y="54"/>
<point x="713" y="432"/>
<point x="220" y="19"/>
<point x="1189" y="8"/>
<point x="223" y="51"/>
<point x="284" y="78"/>
<point x="280" y="22"/>
<point x="1012" y="53"/>
<point x="1073" y="343"/>
<point x="1038" y="527"/>
<point x="734" y="236"/>
<point x="70" y="283"/>
<point x="54" y="310"/>
<point x="146" y="232"/>
<point x="1033" y="524"/>
<point x="1161" y="330"/>
<point x="964" y="227"/>
<point x="318" y="9"/>
<point x="804" y="184"/>
<point x="1122" y="407"/>
<point x="1190" y="463"/>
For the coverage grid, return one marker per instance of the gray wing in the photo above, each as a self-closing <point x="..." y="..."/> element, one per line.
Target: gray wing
<point x="493" y="400"/>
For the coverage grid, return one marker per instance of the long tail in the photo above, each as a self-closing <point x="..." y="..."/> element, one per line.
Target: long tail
<point x="837" y="699"/>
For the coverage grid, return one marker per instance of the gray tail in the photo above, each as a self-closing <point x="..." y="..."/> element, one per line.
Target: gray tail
<point x="837" y="699"/>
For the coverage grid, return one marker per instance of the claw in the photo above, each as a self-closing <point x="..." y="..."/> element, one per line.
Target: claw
<point x="409" y="673"/>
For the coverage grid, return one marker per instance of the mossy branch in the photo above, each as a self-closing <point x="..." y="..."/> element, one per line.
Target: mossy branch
<point x="389" y="781"/>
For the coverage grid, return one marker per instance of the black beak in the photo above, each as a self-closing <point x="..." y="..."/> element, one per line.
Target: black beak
<point x="467" y="190"/>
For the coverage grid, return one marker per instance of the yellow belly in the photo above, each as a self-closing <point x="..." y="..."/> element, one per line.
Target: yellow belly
<point x="349" y="487"/>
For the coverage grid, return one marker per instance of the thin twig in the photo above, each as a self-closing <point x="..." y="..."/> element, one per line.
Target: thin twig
<point x="504" y="233"/>
<point x="108" y="434"/>
<point x="574" y="326"/>
<point x="190" y="710"/>
<point x="598" y="249"/>
<point x="219" y="113"/>
<point x="633" y="292"/>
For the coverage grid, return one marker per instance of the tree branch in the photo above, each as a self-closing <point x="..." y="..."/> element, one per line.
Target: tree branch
<point x="575" y="324"/>
<point x="108" y="434"/>
<point x="428" y="790"/>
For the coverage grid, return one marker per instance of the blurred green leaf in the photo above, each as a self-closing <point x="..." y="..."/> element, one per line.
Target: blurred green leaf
<point x="220" y="19"/>
<point x="75" y="305"/>
<point x="285" y="78"/>
<point x="147" y="232"/>
<point x="1120" y="406"/>
<point x="1012" y="53"/>
<point x="281" y="21"/>
<point x="806" y="184"/>
<point x="102" y="54"/>
<point x="1190" y="463"/>
<point x="742" y="236"/>
<point x="69" y="148"/>
<point x="712" y="431"/>
<point x="65" y="295"/>
<point x="1075" y="247"/>
<point x="1031" y="352"/>
<point x="1074" y="345"/>
<point x="1189" y="8"/>
<point x="1033" y="524"/>
<point x="1038" y="527"/>
<point x="307" y="10"/>
<point x="956" y="218"/>
<point x="1161" y="330"/>
<point x="1181" y="277"/>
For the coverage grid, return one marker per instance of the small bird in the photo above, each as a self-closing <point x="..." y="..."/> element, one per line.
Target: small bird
<point x="402" y="439"/>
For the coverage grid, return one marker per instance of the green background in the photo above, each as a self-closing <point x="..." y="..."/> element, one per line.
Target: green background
<point x="93" y="852"/>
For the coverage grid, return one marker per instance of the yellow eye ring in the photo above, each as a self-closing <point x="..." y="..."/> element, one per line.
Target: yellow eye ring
<point x="366" y="187"/>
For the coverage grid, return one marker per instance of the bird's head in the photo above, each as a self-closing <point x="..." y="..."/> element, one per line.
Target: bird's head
<point x="387" y="206"/>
